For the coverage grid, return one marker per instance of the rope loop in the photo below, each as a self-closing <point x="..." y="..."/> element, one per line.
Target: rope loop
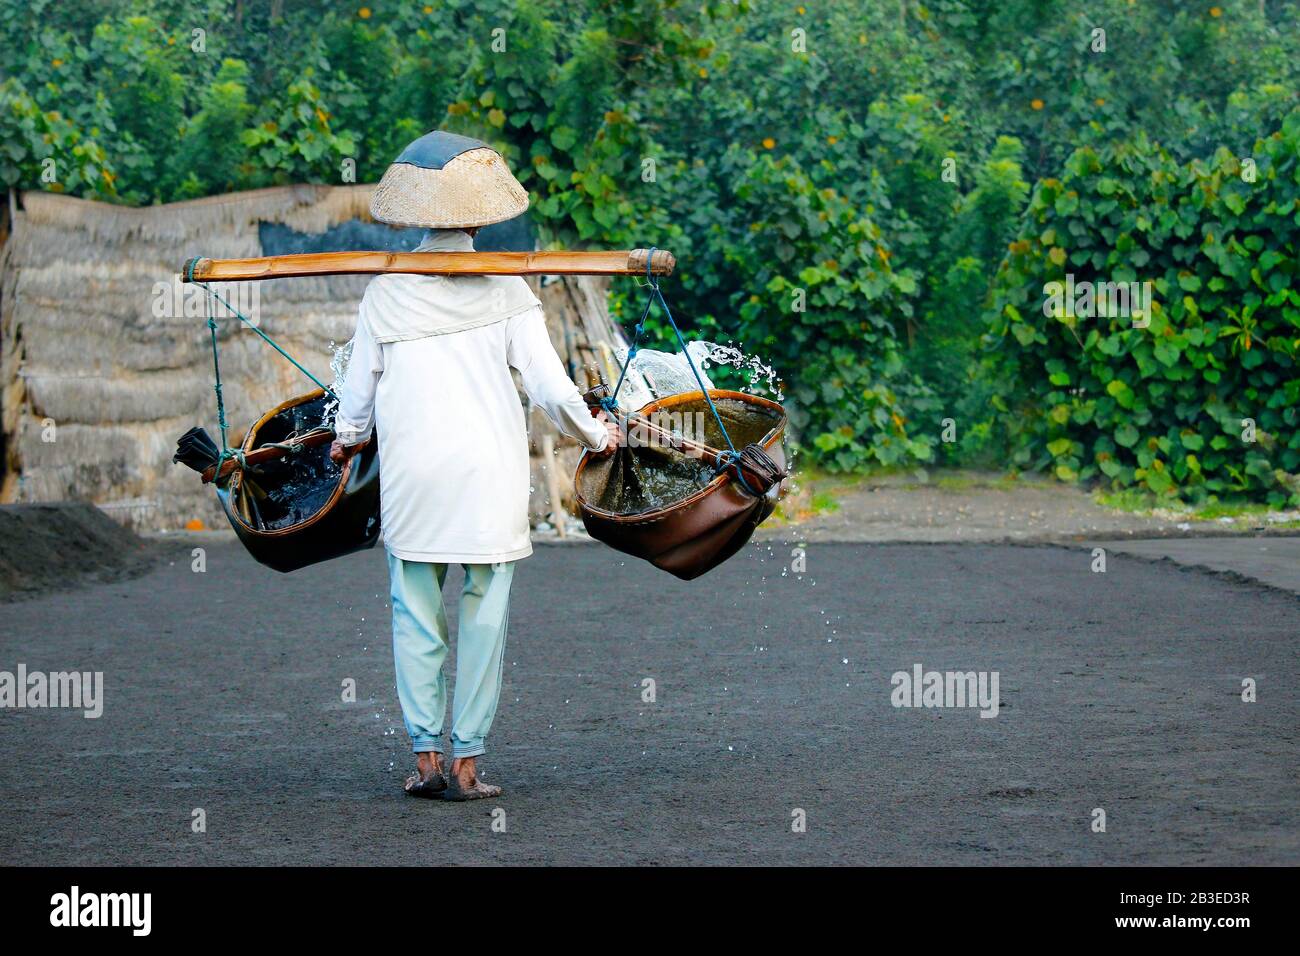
<point x="731" y="459"/>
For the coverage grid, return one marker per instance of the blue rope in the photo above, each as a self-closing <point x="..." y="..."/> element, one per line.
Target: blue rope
<point x="216" y="373"/>
<point x="699" y="380"/>
<point x="226" y="451"/>
<point x="726" y="459"/>
<point x="270" y="341"/>
<point x="610" y="403"/>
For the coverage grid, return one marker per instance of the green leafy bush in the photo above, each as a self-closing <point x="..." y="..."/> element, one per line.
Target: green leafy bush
<point x="45" y="147"/>
<point x="819" y="300"/>
<point x="1205" y="400"/>
<point x="688" y="124"/>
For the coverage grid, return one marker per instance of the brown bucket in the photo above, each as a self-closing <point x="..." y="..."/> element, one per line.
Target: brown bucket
<point x="695" y="533"/>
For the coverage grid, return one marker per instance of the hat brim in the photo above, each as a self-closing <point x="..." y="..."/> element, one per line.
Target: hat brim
<point x="474" y="189"/>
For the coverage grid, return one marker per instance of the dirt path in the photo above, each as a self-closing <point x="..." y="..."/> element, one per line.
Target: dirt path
<point x="962" y="507"/>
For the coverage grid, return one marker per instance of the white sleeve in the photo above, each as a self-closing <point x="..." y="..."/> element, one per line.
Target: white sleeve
<point x="529" y="350"/>
<point x="356" y="414"/>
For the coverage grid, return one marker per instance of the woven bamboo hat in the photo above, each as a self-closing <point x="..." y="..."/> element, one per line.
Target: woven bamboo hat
<point x="446" y="181"/>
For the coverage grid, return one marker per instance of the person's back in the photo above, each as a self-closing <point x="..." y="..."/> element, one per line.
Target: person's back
<point x="453" y="447"/>
<point x="430" y="374"/>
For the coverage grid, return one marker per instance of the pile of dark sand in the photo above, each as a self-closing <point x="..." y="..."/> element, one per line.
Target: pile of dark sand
<point x="50" y="546"/>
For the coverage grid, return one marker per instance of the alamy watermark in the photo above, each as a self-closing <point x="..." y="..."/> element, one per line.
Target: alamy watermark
<point x="1087" y="300"/>
<point x="185" y="300"/>
<point x="922" y="688"/>
<point x="75" y="908"/>
<point x="665" y="430"/>
<point x="65" y="689"/>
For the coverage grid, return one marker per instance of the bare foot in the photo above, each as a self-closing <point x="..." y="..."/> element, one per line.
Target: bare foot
<point x="429" y="780"/>
<point x="464" y="784"/>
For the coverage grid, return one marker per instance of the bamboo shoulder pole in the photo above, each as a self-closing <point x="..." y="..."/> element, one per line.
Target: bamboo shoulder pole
<point x="431" y="263"/>
<point x="313" y="439"/>
<point x="665" y="437"/>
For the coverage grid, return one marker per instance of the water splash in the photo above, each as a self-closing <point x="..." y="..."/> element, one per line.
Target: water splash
<point x="655" y="374"/>
<point x="762" y="378"/>
<point x="340" y="357"/>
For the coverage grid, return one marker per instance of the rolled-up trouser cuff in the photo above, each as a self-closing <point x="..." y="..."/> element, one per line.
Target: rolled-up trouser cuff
<point x="424" y="745"/>
<point x="467" y="748"/>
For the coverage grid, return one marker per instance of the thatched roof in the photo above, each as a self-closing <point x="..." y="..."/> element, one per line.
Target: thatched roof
<point x="82" y="343"/>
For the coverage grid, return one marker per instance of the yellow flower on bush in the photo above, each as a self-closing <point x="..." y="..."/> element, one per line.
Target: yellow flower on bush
<point x="769" y="143"/>
<point x="1216" y="12"/>
<point x="364" y="13"/>
<point x="1036" y="104"/>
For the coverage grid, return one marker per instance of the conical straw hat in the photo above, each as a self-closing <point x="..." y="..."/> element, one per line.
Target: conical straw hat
<point x="446" y="181"/>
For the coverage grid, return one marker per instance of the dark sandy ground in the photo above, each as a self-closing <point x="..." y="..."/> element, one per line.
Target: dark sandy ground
<point x="1119" y="690"/>
<point x="1272" y="559"/>
<point x="50" y="546"/>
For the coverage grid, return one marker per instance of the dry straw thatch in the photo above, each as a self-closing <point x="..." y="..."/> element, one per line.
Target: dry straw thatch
<point x="96" y="385"/>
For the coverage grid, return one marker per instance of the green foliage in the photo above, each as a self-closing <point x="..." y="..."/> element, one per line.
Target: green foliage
<point x="297" y="143"/>
<point x="568" y="106"/>
<point x="211" y="154"/>
<point x="822" y="293"/>
<point x="146" y="98"/>
<point x="1171" y="407"/>
<point x="873" y="162"/>
<point x="45" y="147"/>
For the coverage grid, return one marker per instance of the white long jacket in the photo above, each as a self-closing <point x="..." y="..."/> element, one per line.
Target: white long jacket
<point x="453" y="445"/>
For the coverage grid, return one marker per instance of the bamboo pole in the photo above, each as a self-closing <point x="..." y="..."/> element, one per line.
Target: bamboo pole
<point x="313" y="439"/>
<point x="634" y="262"/>
<point x="670" y="439"/>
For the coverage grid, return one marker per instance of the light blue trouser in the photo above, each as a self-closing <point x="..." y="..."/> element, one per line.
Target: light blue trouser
<point x="420" y="642"/>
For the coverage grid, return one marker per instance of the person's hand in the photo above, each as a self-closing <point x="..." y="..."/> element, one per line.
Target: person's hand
<point x="340" y="452"/>
<point x="615" y="432"/>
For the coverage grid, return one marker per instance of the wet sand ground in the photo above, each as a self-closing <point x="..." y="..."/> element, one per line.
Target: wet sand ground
<point x="1119" y="691"/>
